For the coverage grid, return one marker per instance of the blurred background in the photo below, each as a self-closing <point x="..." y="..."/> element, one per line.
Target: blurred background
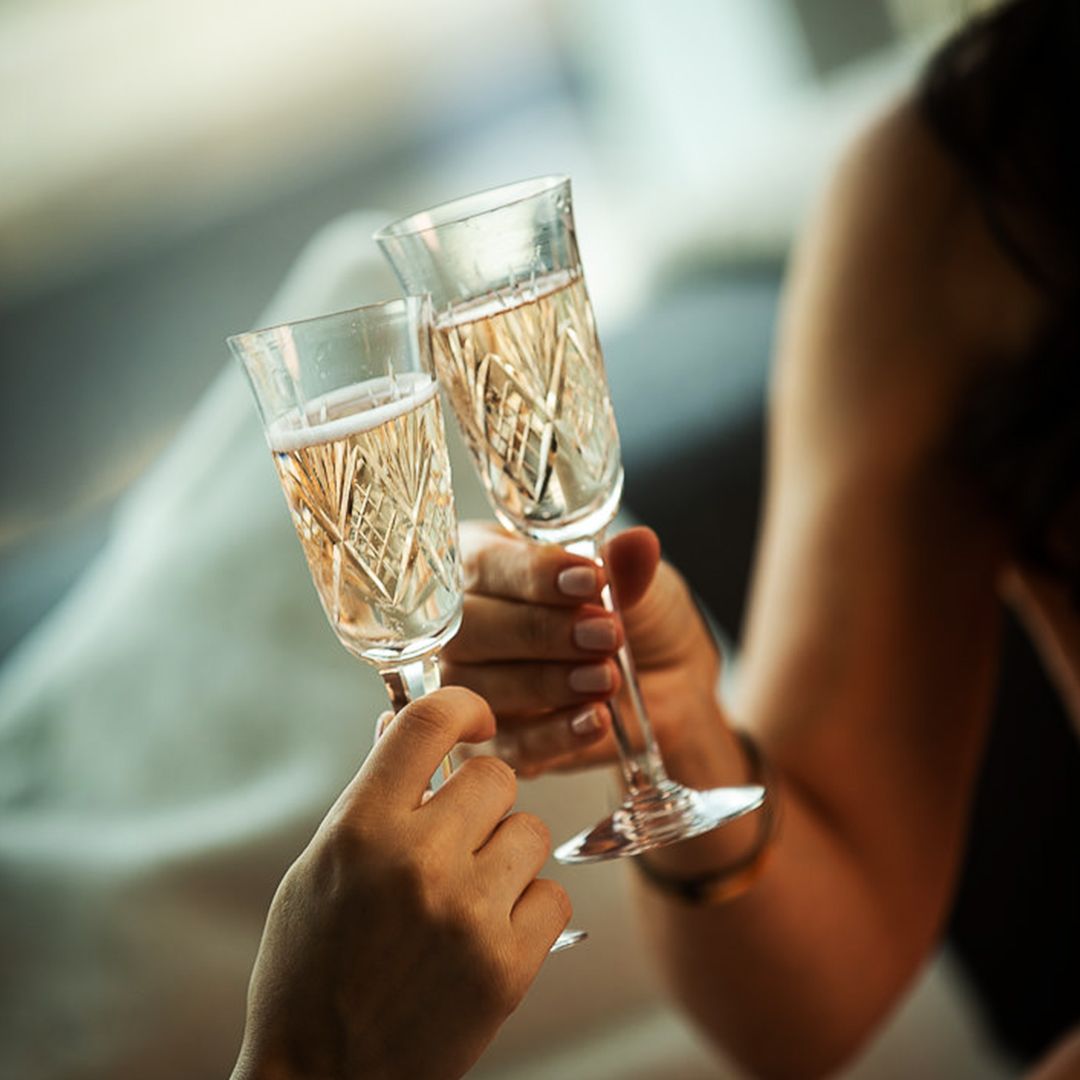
<point x="162" y="166"/>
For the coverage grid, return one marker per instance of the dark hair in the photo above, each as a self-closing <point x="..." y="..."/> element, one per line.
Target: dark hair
<point x="999" y="96"/>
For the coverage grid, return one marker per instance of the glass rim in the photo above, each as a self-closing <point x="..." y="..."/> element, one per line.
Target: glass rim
<point x="451" y="212"/>
<point x="404" y="303"/>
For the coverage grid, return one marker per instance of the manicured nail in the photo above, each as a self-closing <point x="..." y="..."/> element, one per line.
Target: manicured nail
<point x="586" y="723"/>
<point x="595" y="633"/>
<point x="591" y="679"/>
<point x="577" y="581"/>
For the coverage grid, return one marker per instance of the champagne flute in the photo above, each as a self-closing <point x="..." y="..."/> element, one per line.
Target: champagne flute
<point x="516" y="350"/>
<point x="351" y="413"/>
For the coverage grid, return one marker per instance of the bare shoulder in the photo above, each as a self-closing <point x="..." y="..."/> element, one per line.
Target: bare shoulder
<point x="899" y="201"/>
<point x="897" y="295"/>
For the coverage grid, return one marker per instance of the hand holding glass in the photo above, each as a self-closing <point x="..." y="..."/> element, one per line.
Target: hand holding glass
<point x="517" y="351"/>
<point x="351" y="412"/>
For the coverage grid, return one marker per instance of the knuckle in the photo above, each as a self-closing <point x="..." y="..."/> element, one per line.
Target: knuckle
<point x="429" y="716"/>
<point x="346" y="836"/>
<point x="406" y="879"/>
<point x="488" y="558"/>
<point x="422" y="876"/>
<point x="493" y="773"/>
<point x="472" y="566"/>
<point x="446" y="908"/>
<point x="341" y="834"/>
<point x="543" y="567"/>
<point x="390" y="872"/>
<point x="504" y="983"/>
<point x="535" y="629"/>
<point x="463" y="702"/>
<point x="507" y="748"/>
<point x="535" y="829"/>
<point x="543" y="740"/>
<point x="439" y="715"/>
<point x="555" y="685"/>
<point x="558" y="897"/>
<point x="324" y="862"/>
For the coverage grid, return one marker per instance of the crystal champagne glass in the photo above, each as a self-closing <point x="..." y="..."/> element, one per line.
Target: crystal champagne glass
<point x="516" y="349"/>
<point x="351" y="413"/>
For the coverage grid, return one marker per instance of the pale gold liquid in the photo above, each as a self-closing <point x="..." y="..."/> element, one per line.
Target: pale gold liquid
<point x="374" y="511"/>
<point x="525" y="376"/>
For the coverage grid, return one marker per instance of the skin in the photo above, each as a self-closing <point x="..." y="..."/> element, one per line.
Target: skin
<point x="411" y="926"/>
<point x="871" y="649"/>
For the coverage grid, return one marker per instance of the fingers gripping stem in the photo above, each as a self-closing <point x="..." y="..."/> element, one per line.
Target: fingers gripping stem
<point x="639" y="755"/>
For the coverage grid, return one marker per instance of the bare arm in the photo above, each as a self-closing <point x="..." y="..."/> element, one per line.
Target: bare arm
<point x="872" y="641"/>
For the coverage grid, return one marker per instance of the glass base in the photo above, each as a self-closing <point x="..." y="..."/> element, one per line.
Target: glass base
<point x="568" y="939"/>
<point x="658" y="816"/>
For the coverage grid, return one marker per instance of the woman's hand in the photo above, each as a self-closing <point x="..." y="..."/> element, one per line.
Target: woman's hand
<point x="537" y="644"/>
<point x="410" y="927"/>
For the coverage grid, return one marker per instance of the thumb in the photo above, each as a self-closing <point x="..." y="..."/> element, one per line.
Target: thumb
<point x="632" y="558"/>
<point x="663" y="624"/>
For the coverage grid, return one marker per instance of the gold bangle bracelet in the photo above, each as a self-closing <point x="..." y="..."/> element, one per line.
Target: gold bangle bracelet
<point x="719" y="886"/>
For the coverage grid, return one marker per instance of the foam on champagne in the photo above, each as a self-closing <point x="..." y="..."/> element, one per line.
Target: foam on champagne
<point x="351" y="410"/>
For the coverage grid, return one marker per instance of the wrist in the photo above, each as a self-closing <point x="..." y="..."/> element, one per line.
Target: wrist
<point x="720" y="760"/>
<point x="733" y="876"/>
<point x="700" y="749"/>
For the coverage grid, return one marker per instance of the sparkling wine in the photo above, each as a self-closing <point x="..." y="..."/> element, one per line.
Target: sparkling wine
<point x="525" y="375"/>
<point x="367" y="480"/>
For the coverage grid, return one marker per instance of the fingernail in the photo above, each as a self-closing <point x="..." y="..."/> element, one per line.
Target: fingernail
<point x="591" y="679"/>
<point x="585" y="723"/>
<point x="577" y="581"/>
<point x="595" y="633"/>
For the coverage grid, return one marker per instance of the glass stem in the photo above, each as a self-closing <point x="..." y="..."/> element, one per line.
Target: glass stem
<point x="408" y="682"/>
<point x="639" y="756"/>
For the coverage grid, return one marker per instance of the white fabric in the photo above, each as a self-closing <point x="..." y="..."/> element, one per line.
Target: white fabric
<point x="169" y="739"/>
